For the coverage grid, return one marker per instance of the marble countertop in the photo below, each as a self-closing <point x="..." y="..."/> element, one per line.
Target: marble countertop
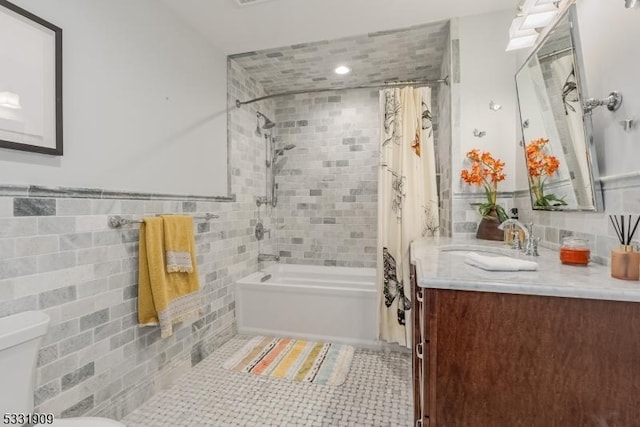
<point x="440" y="264"/>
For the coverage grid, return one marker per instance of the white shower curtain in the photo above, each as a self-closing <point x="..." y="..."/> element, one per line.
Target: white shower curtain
<point x="407" y="201"/>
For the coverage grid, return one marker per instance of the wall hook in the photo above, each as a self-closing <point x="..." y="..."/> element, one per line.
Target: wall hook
<point x="628" y="125"/>
<point x="479" y="133"/>
<point x="494" y="107"/>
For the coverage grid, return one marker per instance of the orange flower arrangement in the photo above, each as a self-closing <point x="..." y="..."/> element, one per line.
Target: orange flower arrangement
<point x="487" y="171"/>
<point x="541" y="165"/>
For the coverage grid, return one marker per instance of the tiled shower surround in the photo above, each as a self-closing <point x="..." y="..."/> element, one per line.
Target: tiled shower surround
<point x="58" y="254"/>
<point x="328" y="184"/>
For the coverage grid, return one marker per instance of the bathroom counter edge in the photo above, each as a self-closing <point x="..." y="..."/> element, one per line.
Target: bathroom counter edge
<point x="447" y="270"/>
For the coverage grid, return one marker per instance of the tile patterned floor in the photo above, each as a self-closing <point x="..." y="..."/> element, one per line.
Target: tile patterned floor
<point x="377" y="393"/>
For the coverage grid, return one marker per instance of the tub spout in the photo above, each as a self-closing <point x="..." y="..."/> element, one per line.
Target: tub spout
<point x="268" y="257"/>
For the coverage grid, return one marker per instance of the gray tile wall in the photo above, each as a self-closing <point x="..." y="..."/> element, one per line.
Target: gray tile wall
<point x="327" y="195"/>
<point x="60" y="256"/>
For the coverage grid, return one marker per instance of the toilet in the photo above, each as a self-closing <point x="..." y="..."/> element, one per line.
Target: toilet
<point x="20" y="336"/>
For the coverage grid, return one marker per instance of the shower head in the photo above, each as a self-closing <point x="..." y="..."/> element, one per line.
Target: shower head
<point x="280" y="151"/>
<point x="268" y="124"/>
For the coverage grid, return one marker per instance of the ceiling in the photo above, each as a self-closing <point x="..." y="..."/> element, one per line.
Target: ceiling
<point x="274" y="23"/>
<point x="413" y="53"/>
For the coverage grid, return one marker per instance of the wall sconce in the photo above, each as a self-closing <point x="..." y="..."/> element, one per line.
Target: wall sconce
<point x="630" y="3"/>
<point x="10" y="100"/>
<point x="519" y="38"/>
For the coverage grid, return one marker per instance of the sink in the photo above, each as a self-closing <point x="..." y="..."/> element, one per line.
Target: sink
<point x="490" y="258"/>
<point x="467" y="249"/>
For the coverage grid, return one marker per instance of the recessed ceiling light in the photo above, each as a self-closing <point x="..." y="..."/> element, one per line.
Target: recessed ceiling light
<point x="342" y="69"/>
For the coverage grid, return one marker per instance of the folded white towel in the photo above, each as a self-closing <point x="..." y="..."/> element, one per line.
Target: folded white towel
<point x="499" y="263"/>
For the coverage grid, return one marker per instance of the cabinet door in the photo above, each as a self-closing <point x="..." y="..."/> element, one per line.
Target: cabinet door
<point x="531" y="361"/>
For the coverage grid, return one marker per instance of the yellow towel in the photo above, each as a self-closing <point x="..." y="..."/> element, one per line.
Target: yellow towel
<point x="178" y="235"/>
<point x="164" y="298"/>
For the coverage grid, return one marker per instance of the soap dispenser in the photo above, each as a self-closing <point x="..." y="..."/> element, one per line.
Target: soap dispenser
<point x="511" y="229"/>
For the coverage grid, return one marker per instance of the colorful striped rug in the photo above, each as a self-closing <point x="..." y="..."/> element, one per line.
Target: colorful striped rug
<point x="296" y="360"/>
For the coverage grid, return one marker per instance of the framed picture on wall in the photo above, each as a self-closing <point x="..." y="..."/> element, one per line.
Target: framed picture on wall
<point x="30" y="82"/>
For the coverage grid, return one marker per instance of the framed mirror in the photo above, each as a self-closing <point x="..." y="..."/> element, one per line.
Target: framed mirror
<point x="558" y="142"/>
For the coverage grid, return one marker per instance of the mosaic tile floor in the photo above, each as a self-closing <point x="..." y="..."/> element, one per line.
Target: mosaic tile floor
<point x="377" y="393"/>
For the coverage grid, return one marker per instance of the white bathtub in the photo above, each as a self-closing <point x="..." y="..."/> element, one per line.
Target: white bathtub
<point x="336" y="304"/>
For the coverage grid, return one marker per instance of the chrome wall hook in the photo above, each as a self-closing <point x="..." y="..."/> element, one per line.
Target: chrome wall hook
<point x="628" y="125"/>
<point x="612" y="102"/>
<point x="479" y="133"/>
<point x="494" y="107"/>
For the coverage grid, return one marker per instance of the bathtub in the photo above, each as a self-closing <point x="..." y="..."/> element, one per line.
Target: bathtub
<point x="336" y="304"/>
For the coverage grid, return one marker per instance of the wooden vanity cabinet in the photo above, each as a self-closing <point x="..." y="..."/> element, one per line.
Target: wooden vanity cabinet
<point x="506" y="360"/>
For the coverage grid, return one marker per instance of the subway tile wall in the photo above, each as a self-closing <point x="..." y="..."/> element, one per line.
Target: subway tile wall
<point x="328" y="184"/>
<point x="60" y="256"/>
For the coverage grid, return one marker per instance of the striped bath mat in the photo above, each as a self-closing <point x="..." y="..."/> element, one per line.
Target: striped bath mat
<point x="296" y="360"/>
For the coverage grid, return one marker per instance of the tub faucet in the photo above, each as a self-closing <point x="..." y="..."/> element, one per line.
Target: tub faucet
<point x="268" y="257"/>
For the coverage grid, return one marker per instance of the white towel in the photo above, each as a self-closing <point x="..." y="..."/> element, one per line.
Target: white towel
<point x="499" y="263"/>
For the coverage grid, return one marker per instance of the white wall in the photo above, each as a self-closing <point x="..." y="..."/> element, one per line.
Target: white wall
<point x="610" y="35"/>
<point x="486" y="73"/>
<point x="144" y="103"/>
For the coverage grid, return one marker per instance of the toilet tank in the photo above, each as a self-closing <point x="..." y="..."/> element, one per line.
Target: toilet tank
<point x="20" y="336"/>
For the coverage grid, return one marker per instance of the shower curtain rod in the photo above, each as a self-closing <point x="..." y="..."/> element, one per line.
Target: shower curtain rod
<point x="372" y="86"/>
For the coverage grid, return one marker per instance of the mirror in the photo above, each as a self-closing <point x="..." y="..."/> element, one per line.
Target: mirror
<point x="558" y="143"/>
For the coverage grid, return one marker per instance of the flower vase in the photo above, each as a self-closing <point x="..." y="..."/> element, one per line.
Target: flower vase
<point x="488" y="228"/>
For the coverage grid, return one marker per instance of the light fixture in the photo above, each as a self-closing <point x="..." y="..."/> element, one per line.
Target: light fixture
<point x="630" y="3"/>
<point x="342" y="69"/>
<point x="519" y="38"/>
<point x="10" y="100"/>
<point x="538" y="13"/>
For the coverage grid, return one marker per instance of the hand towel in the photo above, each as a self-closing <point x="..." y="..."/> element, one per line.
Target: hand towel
<point x="499" y="263"/>
<point x="178" y="234"/>
<point x="164" y="298"/>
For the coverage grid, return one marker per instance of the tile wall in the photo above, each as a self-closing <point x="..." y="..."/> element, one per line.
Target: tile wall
<point x="58" y="254"/>
<point x="328" y="184"/>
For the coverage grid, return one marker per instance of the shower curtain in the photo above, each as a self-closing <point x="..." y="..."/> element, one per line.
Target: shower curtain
<point x="407" y="201"/>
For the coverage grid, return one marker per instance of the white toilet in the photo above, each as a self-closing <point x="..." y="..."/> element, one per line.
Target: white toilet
<point x="20" y="337"/>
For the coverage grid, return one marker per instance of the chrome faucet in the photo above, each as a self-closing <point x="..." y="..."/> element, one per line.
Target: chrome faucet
<point x="268" y="257"/>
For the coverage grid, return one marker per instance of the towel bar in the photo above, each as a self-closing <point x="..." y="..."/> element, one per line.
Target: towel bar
<point x="117" y="221"/>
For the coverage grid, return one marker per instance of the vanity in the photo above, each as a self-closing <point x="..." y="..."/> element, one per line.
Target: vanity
<point x="559" y="346"/>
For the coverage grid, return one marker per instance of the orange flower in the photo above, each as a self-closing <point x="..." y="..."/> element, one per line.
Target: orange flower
<point x="487" y="171"/>
<point x="484" y="169"/>
<point x="538" y="162"/>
